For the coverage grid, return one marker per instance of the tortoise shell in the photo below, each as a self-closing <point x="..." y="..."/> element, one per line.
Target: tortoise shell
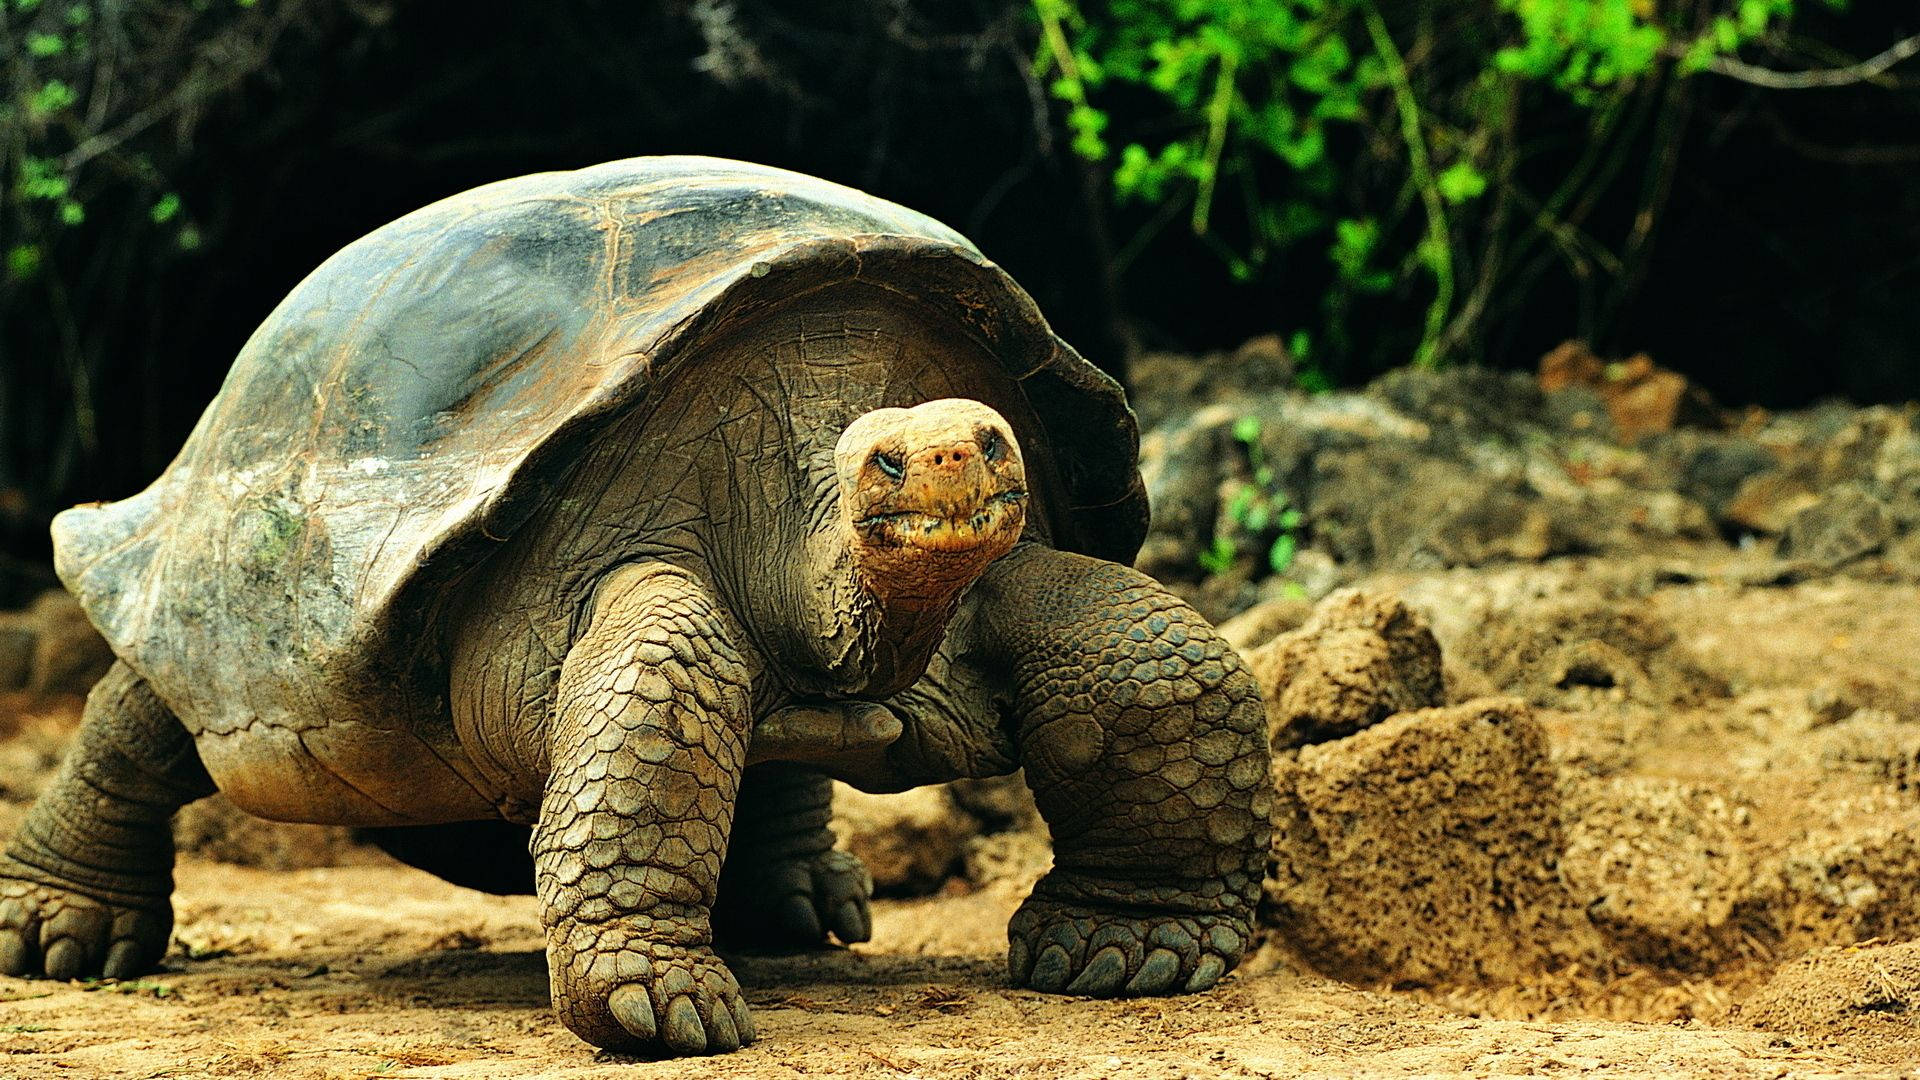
<point x="412" y="402"/>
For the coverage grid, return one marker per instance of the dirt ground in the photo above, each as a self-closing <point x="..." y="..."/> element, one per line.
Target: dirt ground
<point x="1611" y="767"/>
<point x="382" y="971"/>
<point x="368" y="968"/>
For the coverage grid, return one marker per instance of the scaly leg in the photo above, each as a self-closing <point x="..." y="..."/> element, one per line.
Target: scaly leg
<point x="648" y="742"/>
<point x="85" y="885"/>
<point x="783" y="883"/>
<point x="1144" y="741"/>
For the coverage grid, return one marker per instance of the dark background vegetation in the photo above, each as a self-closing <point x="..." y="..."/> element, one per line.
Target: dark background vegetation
<point x="1781" y="262"/>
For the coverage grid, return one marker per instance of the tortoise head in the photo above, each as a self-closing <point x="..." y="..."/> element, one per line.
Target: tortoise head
<point x="931" y="494"/>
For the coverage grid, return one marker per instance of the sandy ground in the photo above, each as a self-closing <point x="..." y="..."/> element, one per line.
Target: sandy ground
<point x="367" y="968"/>
<point x="381" y="971"/>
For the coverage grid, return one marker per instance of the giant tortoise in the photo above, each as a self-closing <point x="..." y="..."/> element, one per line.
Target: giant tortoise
<point x="632" y="504"/>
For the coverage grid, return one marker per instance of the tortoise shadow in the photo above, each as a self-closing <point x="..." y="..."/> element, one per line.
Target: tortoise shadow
<point x="467" y="978"/>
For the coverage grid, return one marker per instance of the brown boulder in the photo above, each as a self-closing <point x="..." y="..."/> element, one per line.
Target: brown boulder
<point x="1642" y="398"/>
<point x="1426" y="850"/>
<point x="1359" y="658"/>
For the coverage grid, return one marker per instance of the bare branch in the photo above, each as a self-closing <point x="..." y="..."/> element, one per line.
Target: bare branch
<point x="1864" y="71"/>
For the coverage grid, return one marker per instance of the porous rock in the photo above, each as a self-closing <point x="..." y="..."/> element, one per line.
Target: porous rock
<point x="1642" y="398"/>
<point x="1855" y="880"/>
<point x="1425" y="850"/>
<point x="1582" y="651"/>
<point x="1657" y="866"/>
<point x="1359" y="658"/>
<point x="1843" y="524"/>
<point x="69" y="655"/>
<point x="214" y="828"/>
<point x="1263" y="622"/>
<point x="911" y="842"/>
<point x="1868" y="995"/>
<point x="51" y="648"/>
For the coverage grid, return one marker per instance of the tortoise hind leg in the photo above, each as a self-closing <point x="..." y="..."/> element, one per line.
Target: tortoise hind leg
<point x="85" y="884"/>
<point x="784" y="884"/>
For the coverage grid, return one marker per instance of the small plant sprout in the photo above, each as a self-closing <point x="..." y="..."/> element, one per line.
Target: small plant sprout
<point x="1254" y="508"/>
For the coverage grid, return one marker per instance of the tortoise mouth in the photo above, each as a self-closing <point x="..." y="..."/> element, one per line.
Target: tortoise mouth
<point x="946" y="529"/>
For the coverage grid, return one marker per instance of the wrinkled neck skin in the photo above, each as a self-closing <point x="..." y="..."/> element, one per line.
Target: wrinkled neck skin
<point x="857" y="641"/>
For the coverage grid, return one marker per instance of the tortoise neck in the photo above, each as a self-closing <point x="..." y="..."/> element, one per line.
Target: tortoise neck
<point x="857" y="641"/>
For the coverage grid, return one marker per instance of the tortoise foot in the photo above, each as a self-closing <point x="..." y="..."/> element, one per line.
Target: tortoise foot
<point x="1102" y="952"/>
<point x="796" y="903"/>
<point x="651" y="997"/>
<point x="59" y="931"/>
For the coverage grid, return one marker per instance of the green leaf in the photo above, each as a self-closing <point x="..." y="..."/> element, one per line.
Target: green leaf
<point x="1280" y="555"/>
<point x="1218" y="558"/>
<point x="45" y="45"/>
<point x="1087" y="123"/>
<point x="1460" y="182"/>
<point x="40" y="178"/>
<point x="164" y="210"/>
<point x="1313" y="381"/>
<point x="52" y="97"/>
<point x="72" y="213"/>
<point x="23" y="261"/>
<point x="1247" y="429"/>
<point x="1241" y="505"/>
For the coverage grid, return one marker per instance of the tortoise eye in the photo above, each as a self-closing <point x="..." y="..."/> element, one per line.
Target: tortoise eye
<point x="889" y="464"/>
<point x="992" y="445"/>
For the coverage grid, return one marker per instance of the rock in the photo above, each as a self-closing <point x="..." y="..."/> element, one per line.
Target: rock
<point x="1425" y="850"/>
<point x="1766" y="501"/>
<point x="912" y="842"/>
<point x="1642" y="398"/>
<point x="1405" y="510"/>
<point x="1263" y="363"/>
<point x="1569" y="365"/>
<point x="1463" y="405"/>
<point x="1657" y="866"/>
<point x="1868" y="996"/>
<point x="1709" y="467"/>
<point x="1166" y="385"/>
<point x="1359" y="658"/>
<point x="1263" y="622"/>
<point x="996" y="802"/>
<point x="69" y="655"/>
<point x="1015" y="858"/>
<point x="1870" y="742"/>
<point x="1584" y="651"/>
<point x="213" y="828"/>
<point x="17" y="640"/>
<point x="1844" y="524"/>
<point x="1182" y="465"/>
<point x="1855" y="880"/>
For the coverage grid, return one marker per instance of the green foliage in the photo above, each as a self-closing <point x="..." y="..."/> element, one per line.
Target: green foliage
<point x="1256" y="508"/>
<point x="1384" y="135"/>
<point x="81" y="122"/>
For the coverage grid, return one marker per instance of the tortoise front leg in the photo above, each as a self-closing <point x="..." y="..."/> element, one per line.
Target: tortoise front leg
<point x="647" y="745"/>
<point x="1144" y="741"/>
